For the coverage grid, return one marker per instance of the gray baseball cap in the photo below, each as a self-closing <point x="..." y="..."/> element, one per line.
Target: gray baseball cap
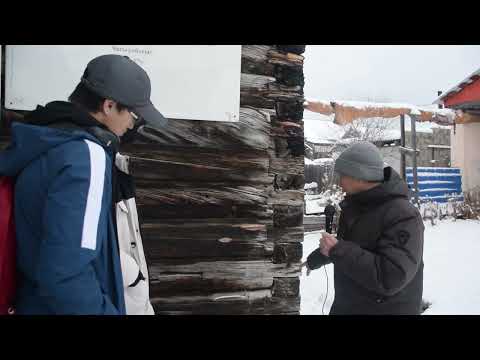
<point x="121" y="79"/>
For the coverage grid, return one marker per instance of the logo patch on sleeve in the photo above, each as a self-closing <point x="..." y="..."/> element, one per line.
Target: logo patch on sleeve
<point x="403" y="236"/>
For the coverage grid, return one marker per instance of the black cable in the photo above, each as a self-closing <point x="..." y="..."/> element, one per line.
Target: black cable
<point x="324" y="301"/>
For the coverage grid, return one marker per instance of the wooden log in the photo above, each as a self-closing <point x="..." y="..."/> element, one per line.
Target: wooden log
<point x="292" y="110"/>
<point x="283" y="58"/>
<point x="281" y="93"/>
<point x="283" y="235"/>
<point x="256" y="100"/>
<point x="194" y="202"/>
<point x="255" y="83"/>
<point x="286" y="165"/>
<point x="265" y="60"/>
<point x="267" y="87"/>
<point x="185" y="211"/>
<point x="197" y="165"/>
<point x="289" y="75"/>
<point x="290" y="92"/>
<point x="295" y="49"/>
<point x="289" y="143"/>
<point x="287" y="215"/>
<point x="286" y="197"/>
<point x="192" y="194"/>
<point x="228" y="269"/>
<point x="257" y="53"/>
<point x="289" y="182"/>
<point x="286" y="287"/>
<point x="287" y="129"/>
<point x="296" y="145"/>
<point x="193" y="284"/>
<point x="291" y="147"/>
<point x="287" y="253"/>
<point x="251" y="131"/>
<point x="262" y="54"/>
<point x="258" y="68"/>
<point x="220" y="238"/>
<point x="247" y="302"/>
<point x="228" y="158"/>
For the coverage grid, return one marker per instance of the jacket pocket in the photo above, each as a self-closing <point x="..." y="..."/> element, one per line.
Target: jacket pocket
<point x="135" y="286"/>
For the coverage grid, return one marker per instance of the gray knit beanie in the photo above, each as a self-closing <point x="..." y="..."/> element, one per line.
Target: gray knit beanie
<point x="362" y="161"/>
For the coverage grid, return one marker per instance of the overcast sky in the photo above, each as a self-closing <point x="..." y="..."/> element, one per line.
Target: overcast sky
<point x="386" y="73"/>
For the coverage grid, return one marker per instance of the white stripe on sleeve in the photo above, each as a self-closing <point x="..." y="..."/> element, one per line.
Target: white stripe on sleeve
<point x="95" y="195"/>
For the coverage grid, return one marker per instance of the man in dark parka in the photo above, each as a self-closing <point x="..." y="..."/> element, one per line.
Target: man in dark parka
<point x="329" y="214"/>
<point x="378" y="252"/>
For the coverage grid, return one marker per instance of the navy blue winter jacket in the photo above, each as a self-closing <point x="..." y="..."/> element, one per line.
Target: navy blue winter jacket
<point x="67" y="252"/>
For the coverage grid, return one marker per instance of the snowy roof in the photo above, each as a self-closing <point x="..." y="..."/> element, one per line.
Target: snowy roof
<point x="318" y="161"/>
<point x="468" y="80"/>
<point x="319" y="131"/>
<point x="347" y="111"/>
<point x="439" y="146"/>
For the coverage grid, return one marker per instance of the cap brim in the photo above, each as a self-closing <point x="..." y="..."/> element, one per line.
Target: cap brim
<point x="151" y="115"/>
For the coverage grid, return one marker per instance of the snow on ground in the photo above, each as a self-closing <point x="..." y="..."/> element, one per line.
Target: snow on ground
<point x="315" y="203"/>
<point x="312" y="185"/>
<point x="451" y="274"/>
<point x="313" y="288"/>
<point x="314" y="206"/>
<point x="452" y="267"/>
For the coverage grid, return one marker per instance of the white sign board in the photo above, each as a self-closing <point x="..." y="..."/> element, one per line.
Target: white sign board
<point x="194" y="82"/>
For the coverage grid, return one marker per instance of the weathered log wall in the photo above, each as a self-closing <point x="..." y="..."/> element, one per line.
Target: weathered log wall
<point x="221" y="204"/>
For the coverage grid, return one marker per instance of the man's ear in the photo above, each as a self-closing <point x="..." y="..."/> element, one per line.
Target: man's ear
<point x="108" y="106"/>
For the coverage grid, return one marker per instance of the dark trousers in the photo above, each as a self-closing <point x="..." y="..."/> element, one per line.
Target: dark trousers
<point x="328" y="224"/>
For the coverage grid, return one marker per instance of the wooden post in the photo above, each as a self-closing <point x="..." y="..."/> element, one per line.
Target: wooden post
<point x="414" y="157"/>
<point x="402" y="143"/>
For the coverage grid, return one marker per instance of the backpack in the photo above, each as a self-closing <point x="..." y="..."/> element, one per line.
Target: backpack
<point x="7" y="247"/>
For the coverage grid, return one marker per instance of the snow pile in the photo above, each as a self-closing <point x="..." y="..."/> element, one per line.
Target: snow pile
<point x="314" y="207"/>
<point x="322" y="161"/>
<point x="452" y="267"/>
<point x="450" y="275"/>
<point x="315" y="204"/>
<point x="308" y="161"/>
<point x="321" y="131"/>
<point x="312" y="185"/>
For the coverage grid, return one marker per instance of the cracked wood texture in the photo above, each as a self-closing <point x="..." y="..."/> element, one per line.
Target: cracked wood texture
<point x="221" y="204"/>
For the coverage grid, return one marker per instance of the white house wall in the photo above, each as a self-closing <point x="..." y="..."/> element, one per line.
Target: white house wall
<point x="466" y="153"/>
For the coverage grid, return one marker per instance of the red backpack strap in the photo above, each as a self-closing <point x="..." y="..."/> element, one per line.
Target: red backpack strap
<point x="7" y="246"/>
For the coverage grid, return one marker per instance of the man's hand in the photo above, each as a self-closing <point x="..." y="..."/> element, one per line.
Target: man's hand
<point x="306" y="265"/>
<point x="327" y="242"/>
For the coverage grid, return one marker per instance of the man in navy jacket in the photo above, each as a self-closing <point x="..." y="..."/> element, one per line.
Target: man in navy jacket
<point x="62" y="157"/>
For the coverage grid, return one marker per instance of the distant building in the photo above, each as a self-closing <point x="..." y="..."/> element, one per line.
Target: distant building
<point x="465" y="138"/>
<point x="318" y="150"/>
<point x="433" y="142"/>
